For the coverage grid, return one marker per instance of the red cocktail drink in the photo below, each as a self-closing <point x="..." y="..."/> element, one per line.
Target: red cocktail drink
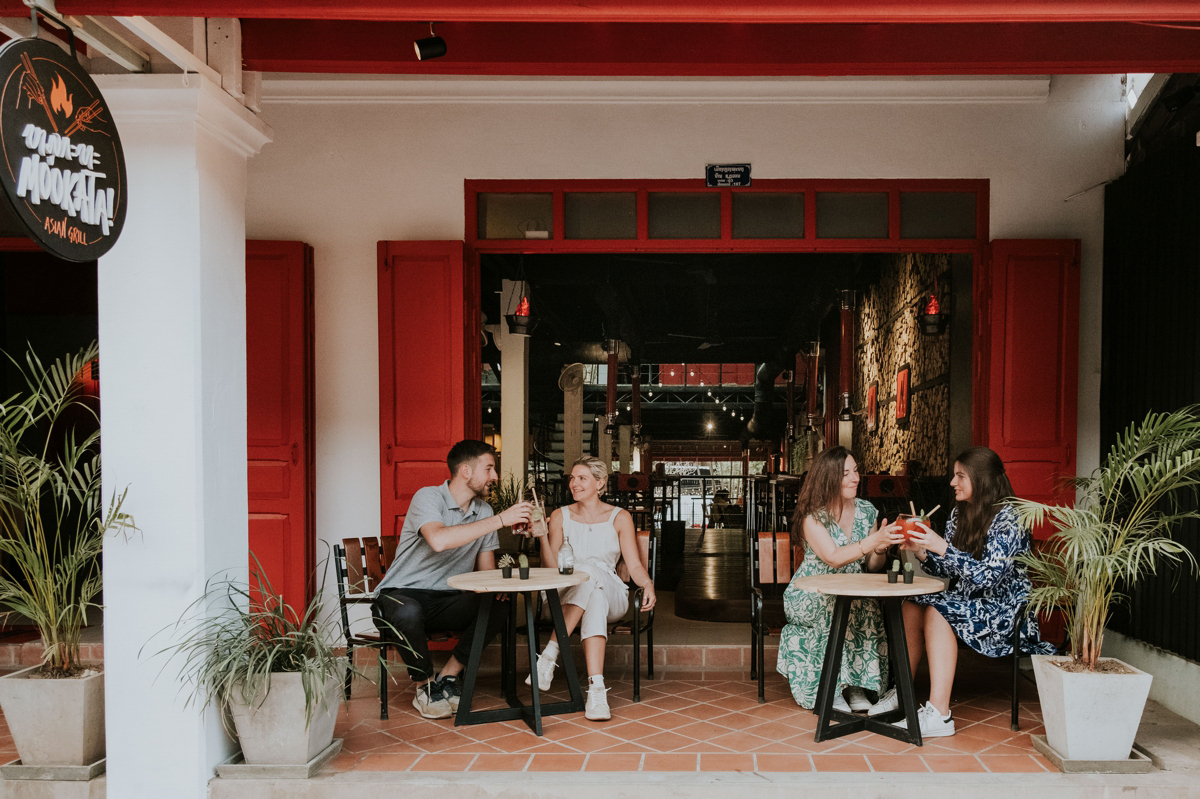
<point x="909" y="524"/>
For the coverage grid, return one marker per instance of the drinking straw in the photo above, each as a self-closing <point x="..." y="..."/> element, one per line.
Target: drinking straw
<point x="935" y="510"/>
<point x="912" y="507"/>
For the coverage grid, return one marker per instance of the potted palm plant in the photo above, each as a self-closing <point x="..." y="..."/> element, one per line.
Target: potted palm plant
<point x="52" y="529"/>
<point x="1120" y="530"/>
<point x="275" y="674"/>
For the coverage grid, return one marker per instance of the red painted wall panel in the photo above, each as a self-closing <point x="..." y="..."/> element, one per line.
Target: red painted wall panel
<point x="279" y="406"/>
<point x="429" y="372"/>
<point x="1027" y="377"/>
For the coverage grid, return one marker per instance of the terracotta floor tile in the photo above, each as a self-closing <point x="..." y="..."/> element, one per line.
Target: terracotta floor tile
<point x="703" y="730"/>
<point x="440" y="742"/>
<point x="1009" y="749"/>
<point x="704" y="711"/>
<point x="773" y="730"/>
<point x="552" y="748"/>
<point x="381" y="762"/>
<point x="740" y="741"/>
<point x="797" y="762"/>
<point x="605" y="761"/>
<point x="367" y="742"/>
<point x="735" y="702"/>
<point x="769" y="712"/>
<point x="633" y="730"/>
<point x="953" y="763"/>
<point x="973" y="714"/>
<point x="500" y="763"/>
<point x="397" y="748"/>
<point x="670" y="762"/>
<point x="703" y="694"/>
<point x="638" y="710"/>
<point x="1011" y="764"/>
<point x="894" y="763"/>
<point x="343" y="761"/>
<point x="840" y="763"/>
<point x="730" y="762"/>
<point x="590" y="741"/>
<point x="552" y="762"/>
<point x="987" y="732"/>
<point x="516" y="742"/>
<point x="670" y="702"/>
<point x="443" y="762"/>
<point x="666" y="741"/>
<point x="782" y="748"/>
<point x="627" y="748"/>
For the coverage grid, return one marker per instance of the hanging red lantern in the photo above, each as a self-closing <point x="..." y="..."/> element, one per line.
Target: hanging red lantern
<point x="523" y="307"/>
<point x="932" y="306"/>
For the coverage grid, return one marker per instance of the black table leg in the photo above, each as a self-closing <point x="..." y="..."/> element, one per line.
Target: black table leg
<point x="830" y="671"/>
<point x="508" y="655"/>
<point x="575" y="705"/>
<point x="536" y="696"/>
<point x="468" y="691"/>
<point x="898" y="653"/>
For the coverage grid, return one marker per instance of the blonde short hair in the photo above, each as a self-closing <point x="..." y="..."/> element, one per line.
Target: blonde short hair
<point x="597" y="467"/>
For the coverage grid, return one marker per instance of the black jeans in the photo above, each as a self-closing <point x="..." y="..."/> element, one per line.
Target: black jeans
<point x="416" y="612"/>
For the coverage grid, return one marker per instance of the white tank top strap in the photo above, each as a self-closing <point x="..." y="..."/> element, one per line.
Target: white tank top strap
<point x="613" y="516"/>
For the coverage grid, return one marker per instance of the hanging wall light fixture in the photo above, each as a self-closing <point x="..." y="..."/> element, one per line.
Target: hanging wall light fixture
<point x="432" y="46"/>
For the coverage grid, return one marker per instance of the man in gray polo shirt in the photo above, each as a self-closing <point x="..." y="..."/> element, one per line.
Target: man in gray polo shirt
<point x="449" y="529"/>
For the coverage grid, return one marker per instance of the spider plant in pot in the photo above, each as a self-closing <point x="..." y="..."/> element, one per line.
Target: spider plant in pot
<point x="273" y="672"/>
<point x="1121" y="529"/>
<point x="53" y="523"/>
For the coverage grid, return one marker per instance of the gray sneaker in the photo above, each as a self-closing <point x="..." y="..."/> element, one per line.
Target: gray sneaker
<point x="431" y="703"/>
<point x="449" y="688"/>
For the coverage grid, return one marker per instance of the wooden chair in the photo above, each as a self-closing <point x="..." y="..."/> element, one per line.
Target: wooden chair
<point x="359" y="565"/>
<point x="773" y="560"/>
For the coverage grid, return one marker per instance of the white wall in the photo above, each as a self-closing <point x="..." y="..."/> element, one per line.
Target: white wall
<point x="342" y="176"/>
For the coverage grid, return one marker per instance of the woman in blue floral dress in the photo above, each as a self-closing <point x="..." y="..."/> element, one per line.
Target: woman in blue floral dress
<point x="986" y="586"/>
<point x="839" y="534"/>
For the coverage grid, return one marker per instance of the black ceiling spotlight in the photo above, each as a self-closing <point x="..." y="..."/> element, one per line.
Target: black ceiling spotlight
<point x="433" y="46"/>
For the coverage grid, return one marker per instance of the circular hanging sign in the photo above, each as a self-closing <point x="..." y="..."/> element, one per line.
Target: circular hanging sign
<point x="62" y="166"/>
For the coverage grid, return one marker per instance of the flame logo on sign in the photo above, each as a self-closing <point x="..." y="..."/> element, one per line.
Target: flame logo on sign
<point x="60" y="101"/>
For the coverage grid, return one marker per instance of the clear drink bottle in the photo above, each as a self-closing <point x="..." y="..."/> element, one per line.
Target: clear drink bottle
<point x="566" y="557"/>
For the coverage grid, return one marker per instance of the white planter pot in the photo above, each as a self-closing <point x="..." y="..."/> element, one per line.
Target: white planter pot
<point x="276" y="732"/>
<point x="55" y="722"/>
<point x="1087" y="715"/>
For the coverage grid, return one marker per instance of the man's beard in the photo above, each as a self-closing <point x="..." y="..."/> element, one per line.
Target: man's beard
<point x="481" y="490"/>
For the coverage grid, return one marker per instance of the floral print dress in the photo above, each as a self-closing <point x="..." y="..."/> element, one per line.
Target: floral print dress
<point x="803" y="640"/>
<point x="984" y="595"/>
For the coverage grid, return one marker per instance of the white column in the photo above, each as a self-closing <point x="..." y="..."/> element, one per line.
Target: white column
<point x="172" y="301"/>
<point x="514" y="389"/>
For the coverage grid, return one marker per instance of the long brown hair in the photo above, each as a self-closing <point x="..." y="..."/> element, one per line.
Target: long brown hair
<point x="989" y="489"/>
<point x="821" y="494"/>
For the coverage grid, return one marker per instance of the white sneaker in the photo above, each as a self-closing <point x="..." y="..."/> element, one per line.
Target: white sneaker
<point x="857" y="698"/>
<point x="886" y="704"/>
<point x="596" y="708"/>
<point x="839" y="703"/>
<point x="932" y="723"/>
<point x="545" y="673"/>
<point x="431" y="703"/>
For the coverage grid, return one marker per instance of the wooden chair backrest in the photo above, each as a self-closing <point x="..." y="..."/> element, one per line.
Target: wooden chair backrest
<point x="777" y="558"/>
<point x="367" y="561"/>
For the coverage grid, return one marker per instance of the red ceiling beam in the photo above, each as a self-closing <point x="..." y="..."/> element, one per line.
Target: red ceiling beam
<point x="720" y="50"/>
<point x="643" y="11"/>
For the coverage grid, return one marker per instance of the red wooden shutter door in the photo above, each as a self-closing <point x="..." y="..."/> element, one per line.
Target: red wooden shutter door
<point x="279" y="420"/>
<point x="1027" y="359"/>
<point x="429" y="366"/>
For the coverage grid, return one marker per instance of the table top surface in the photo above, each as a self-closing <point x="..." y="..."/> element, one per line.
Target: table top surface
<point x="540" y="579"/>
<point x="874" y="585"/>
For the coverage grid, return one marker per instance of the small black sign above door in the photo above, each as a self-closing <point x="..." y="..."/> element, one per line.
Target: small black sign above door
<point x="61" y="163"/>
<point x="720" y="176"/>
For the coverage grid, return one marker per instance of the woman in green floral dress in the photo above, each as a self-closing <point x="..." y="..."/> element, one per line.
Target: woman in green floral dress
<point x="838" y="533"/>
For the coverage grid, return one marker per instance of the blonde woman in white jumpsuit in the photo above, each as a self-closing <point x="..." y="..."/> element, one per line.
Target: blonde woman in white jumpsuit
<point x="600" y="534"/>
